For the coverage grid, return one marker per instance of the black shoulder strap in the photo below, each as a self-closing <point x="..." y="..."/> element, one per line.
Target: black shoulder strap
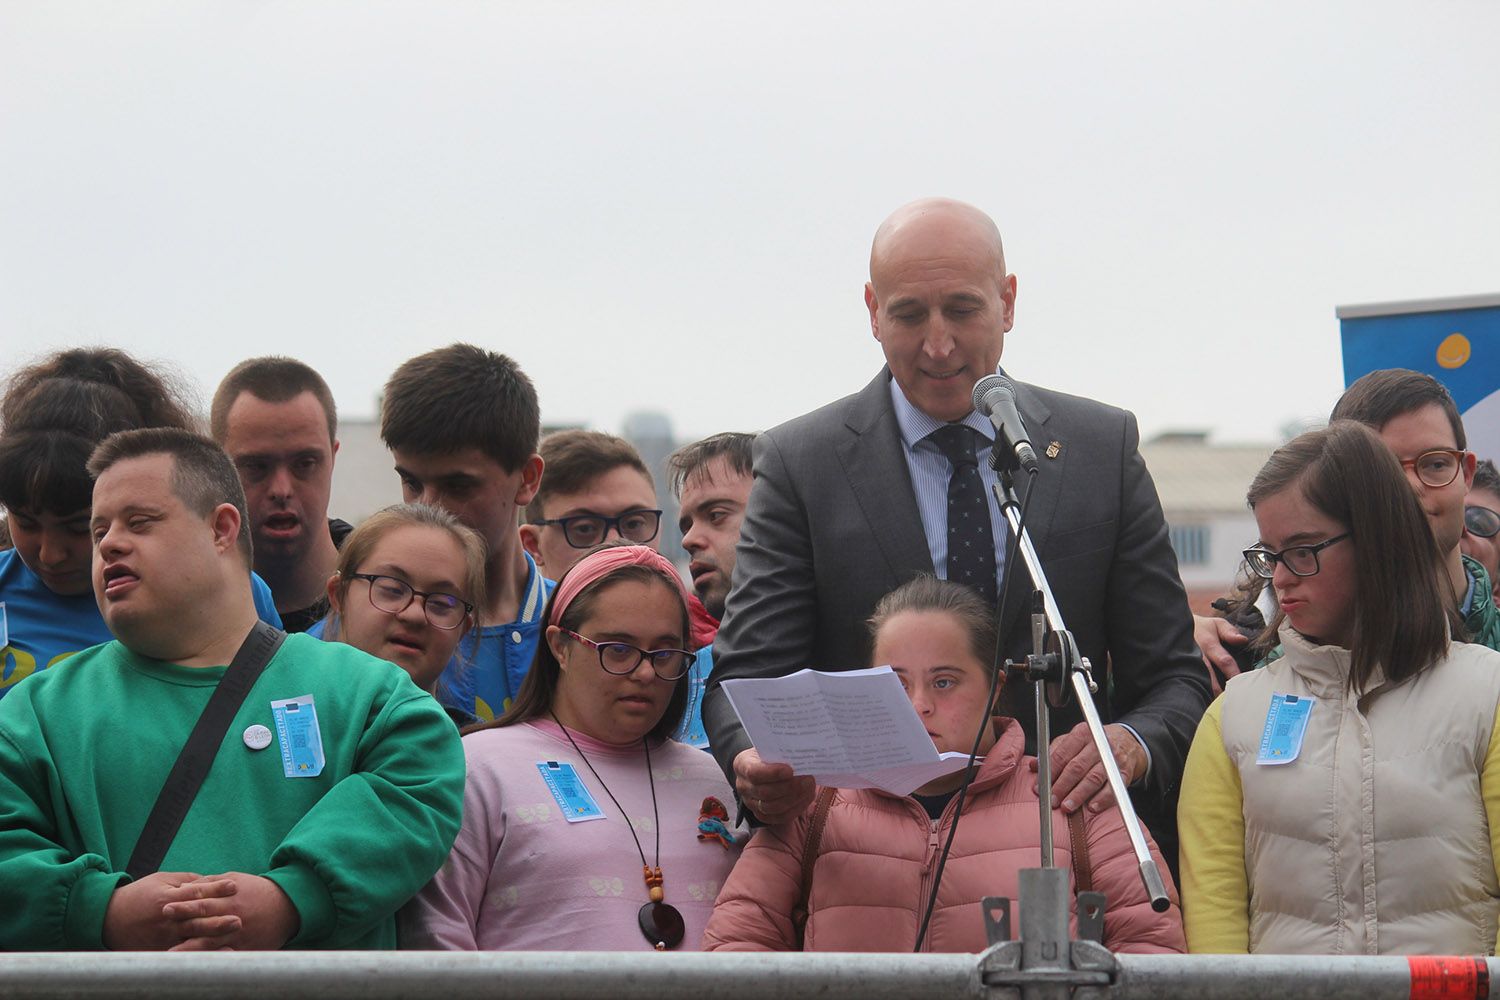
<point x="202" y="746"/>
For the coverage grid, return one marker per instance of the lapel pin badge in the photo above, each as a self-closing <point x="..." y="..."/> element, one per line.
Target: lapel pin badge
<point x="1054" y="449"/>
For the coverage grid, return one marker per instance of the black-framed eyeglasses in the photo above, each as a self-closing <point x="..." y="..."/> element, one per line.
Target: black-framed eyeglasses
<point x="1436" y="468"/>
<point x="1300" y="560"/>
<point x="393" y="596"/>
<point x="584" y="531"/>
<point x="622" y="658"/>
<point x="1481" y="521"/>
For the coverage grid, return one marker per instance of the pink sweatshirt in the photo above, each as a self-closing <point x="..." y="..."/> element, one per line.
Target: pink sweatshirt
<point x="523" y="878"/>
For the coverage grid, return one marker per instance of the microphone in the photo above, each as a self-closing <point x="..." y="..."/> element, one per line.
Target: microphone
<point x="995" y="397"/>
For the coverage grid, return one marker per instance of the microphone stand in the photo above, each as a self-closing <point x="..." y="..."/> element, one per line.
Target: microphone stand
<point x="1045" y="964"/>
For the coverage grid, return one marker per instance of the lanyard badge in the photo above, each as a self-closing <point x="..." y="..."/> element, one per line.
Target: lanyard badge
<point x="575" y="800"/>
<point x="301" y="742"/>
<point x="1286" y="724"/>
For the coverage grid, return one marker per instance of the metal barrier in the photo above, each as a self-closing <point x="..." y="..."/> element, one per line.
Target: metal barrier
<point x="650" y="976"/>
<point x="1043" y="963"/>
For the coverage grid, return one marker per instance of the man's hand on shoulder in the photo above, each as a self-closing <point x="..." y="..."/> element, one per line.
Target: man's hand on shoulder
<point x="136" y="917"/>
<point x="771" y="791"/>
<point x="1213" y="636"/>
<point x="265" y="918"/>
<point x="1078" y="773"/>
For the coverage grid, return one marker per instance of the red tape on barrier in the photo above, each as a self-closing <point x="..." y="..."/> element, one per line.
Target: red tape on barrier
<point x="1449" y="978"/>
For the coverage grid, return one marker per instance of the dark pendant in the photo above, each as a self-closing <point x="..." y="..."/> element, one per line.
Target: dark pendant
<point x="662" y="925"/>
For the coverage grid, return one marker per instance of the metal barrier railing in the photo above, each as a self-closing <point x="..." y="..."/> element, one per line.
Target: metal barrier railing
<point x="751" y="976"/>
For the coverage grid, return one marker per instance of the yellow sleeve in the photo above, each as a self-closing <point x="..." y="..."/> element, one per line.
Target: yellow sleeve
<point x="1489" y="790"/>
<point x="1211" y="825"/>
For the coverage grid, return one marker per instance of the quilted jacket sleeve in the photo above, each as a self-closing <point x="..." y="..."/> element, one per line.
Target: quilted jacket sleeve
<point x="754" y="909"/>
<point x="1130" y="925"/>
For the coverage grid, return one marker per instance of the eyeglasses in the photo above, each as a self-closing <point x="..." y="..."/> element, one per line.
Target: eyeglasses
<point x="1436" y="468"/>
<point x="393" y="596"/>
<point x="584" y="531"/>
<point x="622" y="658"/>
<point x="1481" y="521"/>
<point x="1300" y="560"/>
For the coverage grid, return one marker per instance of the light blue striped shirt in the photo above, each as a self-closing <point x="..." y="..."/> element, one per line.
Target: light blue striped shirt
<point x="930" y="470"/>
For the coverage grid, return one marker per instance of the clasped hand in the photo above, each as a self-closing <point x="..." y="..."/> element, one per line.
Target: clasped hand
<point x="185" y="911"/>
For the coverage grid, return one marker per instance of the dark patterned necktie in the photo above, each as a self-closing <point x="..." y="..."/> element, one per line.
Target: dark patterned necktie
<point x="971" y="542"/>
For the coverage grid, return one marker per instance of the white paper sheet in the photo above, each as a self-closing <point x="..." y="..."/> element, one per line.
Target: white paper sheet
<point x="851" y="729"/>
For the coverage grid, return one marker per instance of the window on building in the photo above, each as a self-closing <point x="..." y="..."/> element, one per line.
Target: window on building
<point x="1190" y="541"/>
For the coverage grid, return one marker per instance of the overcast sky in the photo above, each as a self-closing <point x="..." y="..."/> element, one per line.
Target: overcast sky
<point x="669" y="205"/>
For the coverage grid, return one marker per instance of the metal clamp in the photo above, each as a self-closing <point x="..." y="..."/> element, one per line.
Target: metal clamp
<point x="1044" y="964"/>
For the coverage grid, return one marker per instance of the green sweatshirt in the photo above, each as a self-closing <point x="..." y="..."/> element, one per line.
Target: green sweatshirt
<point x="86" y="746"/>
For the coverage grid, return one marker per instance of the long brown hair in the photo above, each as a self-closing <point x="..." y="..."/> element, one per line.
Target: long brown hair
<point x="539" y="689"/>
<point x="1400" y="613"/>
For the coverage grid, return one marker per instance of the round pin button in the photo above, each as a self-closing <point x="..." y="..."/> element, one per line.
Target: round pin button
<point x="257" y="737"/>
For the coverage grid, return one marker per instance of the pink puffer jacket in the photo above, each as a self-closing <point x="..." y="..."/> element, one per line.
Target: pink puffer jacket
<point x="874" y="870"/>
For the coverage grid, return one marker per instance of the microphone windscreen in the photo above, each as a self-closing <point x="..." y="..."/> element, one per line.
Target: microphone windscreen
<point x="981" y="399"/>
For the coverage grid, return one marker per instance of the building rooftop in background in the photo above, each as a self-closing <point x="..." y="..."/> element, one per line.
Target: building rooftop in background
<point x="1194" y="476"/>
<point x="1202" y="488"/>
<point x="364" y="477"/>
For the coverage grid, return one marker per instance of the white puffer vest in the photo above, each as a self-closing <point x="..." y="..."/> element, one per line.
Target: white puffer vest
<point x="1375" y="839"/>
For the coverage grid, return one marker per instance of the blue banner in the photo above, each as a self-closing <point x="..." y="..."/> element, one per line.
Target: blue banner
<point x="1457" y="341"/>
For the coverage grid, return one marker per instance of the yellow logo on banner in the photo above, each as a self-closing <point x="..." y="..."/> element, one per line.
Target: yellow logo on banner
<point x="1453" y="352"/>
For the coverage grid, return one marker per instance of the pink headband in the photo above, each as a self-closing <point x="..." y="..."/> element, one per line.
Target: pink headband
<point x="600" y="564"/>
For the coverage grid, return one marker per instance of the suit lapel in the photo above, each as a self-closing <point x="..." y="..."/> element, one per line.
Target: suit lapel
<point x="873" y="458"/>
<point x="1046" y="488"/>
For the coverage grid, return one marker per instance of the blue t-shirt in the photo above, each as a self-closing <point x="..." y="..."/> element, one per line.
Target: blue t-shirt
<point x="41" y="627"/>
<point x="491" y="662"/>
<point x="691" y="730"/>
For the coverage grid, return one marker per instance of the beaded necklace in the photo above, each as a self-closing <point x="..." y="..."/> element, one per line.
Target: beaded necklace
<point x="660" y="922"/>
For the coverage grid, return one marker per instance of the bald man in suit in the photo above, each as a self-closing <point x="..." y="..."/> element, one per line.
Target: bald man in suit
<point x="849" y="502"/>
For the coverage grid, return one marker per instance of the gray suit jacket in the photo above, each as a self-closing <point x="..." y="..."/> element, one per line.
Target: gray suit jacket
<point x="832" y="526"/>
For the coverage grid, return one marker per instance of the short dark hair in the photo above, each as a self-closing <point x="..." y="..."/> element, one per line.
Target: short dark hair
<point x="734" y="447"/>
<point x="573" y="459"/>
<point x="1401" y="617"/>
<point x="272" y="379"/>
<point x="202" y="475"/>
<point x="458" y="397"/>
<point x="1381" y="396"/>
<point x="1486" y="477"/>
<point x="56" y="411"/>
<point x="539" y="689"/>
